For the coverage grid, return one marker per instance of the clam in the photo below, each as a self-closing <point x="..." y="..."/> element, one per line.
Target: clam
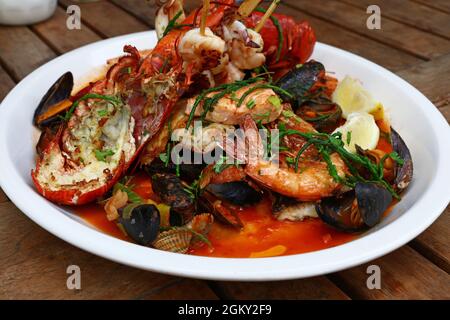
<point x="54" y="102"/>
<point x="141" y="222"/>
<point x="174" y="240"/>
<point x="236" y="192"/>
<point x="404" y="171"/>
<point x="174" y="193"/>
<point x="355" y="210"/>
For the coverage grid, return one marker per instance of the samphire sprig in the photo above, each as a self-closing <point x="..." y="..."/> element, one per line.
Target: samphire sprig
<point x="221" y="91"/>
<point x="326" y="144"/>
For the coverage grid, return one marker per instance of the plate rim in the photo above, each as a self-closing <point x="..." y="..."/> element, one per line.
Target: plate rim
<point x="230" y="269"/>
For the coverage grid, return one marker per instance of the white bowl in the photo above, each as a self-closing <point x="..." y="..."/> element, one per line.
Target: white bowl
<point x="423" y="128"/>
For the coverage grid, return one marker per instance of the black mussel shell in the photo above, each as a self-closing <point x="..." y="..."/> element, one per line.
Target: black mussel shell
<point x="281" y="202"/>
<point x="222" y="211"/>
<point x="403" y="172"/>
<point x="188" y="172"/>
<point x="235" y="192"/>
<point x="328" y="114"/>
<point x="355" y="210"/>
<point x="59" y="91"/>
<point x="142" y="223"/>
<point x="173" y="192"/>
<point x="300" y="80"/>
<point x="176" y="219"/>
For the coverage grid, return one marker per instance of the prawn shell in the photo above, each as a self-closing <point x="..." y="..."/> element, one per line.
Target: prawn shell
<point x="175" y="240"/>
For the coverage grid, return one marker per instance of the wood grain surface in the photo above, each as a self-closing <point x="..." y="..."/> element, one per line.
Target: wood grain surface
<point x="413" y="41"/>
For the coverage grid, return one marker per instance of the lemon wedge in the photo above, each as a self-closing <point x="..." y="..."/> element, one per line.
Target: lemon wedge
<point x="359" y="129"/>
<point x="351" y="96"/>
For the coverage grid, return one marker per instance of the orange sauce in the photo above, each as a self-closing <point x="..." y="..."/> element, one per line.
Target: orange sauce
<point x="262" y="232"/>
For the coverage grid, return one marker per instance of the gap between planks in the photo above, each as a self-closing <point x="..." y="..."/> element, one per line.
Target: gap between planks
<point x="400" y="36"/>
<point x="413" y="14"/>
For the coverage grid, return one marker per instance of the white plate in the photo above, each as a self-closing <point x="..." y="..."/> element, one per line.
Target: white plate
<point x="423" y="128"/>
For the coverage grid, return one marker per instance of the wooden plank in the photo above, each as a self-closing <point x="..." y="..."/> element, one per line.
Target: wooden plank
<point x="344" y="39"/>
<point x="21" y="51"/>
<point x="392" y="33"/>
<point x="431" y="78"/>
<point x="145" y="11"/>
<point x="107" y="19"/>
<point x="434" y="243"/>
<point x="412" y="13"/>
<point x="185" y="289"/>
<point x="445" y="110"/>
<point x="311" y="288"/>
<point x="59" y="37"/>
<point x="34" y="264"/>
<point x="3" y="197"/>
<point x="6" y="83"/>
<point x="326" y="33"/>
<point x="443" y="5"/>
<point x="405" y="274"/>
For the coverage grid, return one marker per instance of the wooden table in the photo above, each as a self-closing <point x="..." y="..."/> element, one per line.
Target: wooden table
<point x="414" y="42"/>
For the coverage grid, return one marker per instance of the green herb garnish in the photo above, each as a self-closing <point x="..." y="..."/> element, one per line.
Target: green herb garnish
<point x="102" y="113"/>
<point x="102" y="155"/>
<point x="114" y="100"/>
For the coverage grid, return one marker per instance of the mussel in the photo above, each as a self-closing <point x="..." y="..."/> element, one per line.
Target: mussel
<point x="188" y="172"/>
<point x="141" y="222"/>
<point x="236" y="192"/>
<point x="404" y="171"/>
<point x="285" y="208"/>
<point x="173" y="192"/>
<point x="355" y="210"/>
<point x="54" y="102"/>
<point x="222" y="210"/>
<point x="299" y="81"/>
<point x="321" y="112"/>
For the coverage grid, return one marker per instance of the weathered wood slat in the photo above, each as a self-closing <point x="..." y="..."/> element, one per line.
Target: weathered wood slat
<point x="106" y="18"/>
<point x="34" y="265"/>
<point x="6" y="83"/>
<point x="405" y="274"/>
<point x="143" y="10"/>
<point x="412" y="13"/>
<point x="445" y="110"/>
<point x="431" y="78"/>
<point x="21" y="51"/>
<point x="334" y="35"/>
<point x="443" y="5"/>
<point x="146" y="12"/>
<point x="185" y="289"/>
<point x="59" y="37"/>
<point x="3" y="197"/>
<point x="434" y="243"/>
<point x="311" y="288"/>
<point x="392" y="33"/>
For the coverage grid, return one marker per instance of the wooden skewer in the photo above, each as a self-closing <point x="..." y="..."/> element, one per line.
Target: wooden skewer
<point x="246" y="8"/>
<point x="267" y="15"/>
<point x="205" y="12"/>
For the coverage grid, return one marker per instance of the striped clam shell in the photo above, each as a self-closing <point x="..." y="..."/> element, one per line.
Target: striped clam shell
<point x="175" y="240"/>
